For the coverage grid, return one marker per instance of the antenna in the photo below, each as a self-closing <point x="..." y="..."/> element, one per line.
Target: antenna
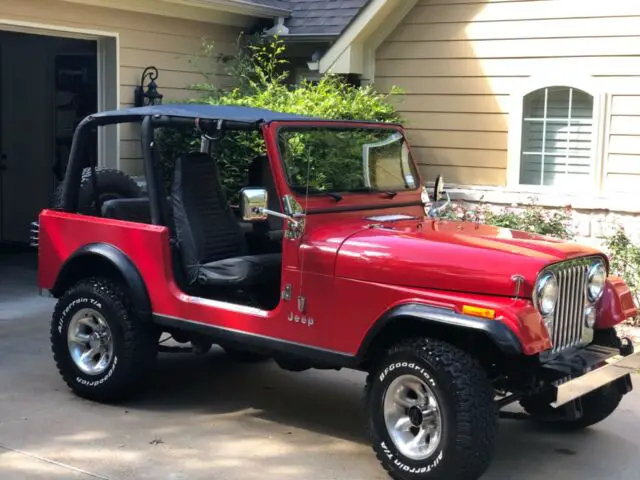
<point x="301" y="297"/>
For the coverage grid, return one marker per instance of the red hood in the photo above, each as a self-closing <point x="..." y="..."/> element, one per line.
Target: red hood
<point x="448" y="255"/>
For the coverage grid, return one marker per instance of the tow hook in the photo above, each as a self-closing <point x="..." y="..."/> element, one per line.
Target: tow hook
<point x="627" y="347"/>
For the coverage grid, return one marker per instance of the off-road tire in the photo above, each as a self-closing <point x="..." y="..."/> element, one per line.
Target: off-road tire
<point x="465" y="395"/>
<point x="245" y="356"/>
<point x="110" y="184"/>
<point x="134" y="341"/>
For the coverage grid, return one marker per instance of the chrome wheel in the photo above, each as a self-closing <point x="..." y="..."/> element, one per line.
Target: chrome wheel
<point x="413" y="417"/>
<point x="90" y="341"/>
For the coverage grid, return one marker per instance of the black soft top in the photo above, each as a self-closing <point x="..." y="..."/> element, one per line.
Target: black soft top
<point x="232" y="113"/>
<point x="226" y="113"/>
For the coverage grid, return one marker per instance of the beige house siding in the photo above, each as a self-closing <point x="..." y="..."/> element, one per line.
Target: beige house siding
<point x="623" y="139"/>
<point x="465" y="64"/>
<point x="168" y="43"/>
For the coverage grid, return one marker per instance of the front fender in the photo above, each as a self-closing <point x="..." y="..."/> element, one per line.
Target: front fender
<point x="496" y="331"/>
<point x="99" y="259"/>
<point x="616" y="304"/>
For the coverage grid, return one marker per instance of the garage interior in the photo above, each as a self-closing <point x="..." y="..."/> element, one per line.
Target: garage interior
<point x="47" y="85"/>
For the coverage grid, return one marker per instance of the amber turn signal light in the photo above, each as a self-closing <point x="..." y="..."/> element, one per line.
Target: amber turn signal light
<point x="479" y="312"/>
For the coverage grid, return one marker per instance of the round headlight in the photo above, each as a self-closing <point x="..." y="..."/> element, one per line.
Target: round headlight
<point x="547" y="294"/>
<point x="596" y="278"/>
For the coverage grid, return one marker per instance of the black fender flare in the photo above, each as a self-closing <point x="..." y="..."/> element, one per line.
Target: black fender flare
<point x="499" y="333"/>
<point x="118" y="261"/>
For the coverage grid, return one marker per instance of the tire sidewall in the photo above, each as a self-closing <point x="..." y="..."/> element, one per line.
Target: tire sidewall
<point x="60" y="326"/>
<point x="404" y="467"/>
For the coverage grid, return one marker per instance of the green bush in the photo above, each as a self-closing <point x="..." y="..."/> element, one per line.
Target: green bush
<point x="261" y="81"/>
<point x="533" y="218"/>
<point x="529" y="218"/>
<point x="624" y="257"/>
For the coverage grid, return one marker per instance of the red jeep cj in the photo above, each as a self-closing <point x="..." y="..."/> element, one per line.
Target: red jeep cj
<point x="333" y="257"/>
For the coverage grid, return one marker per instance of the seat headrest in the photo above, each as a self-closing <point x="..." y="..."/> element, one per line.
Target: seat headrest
<point x="206" y="227"/>
<point x="257" y="168"/>
<point x="195" y="163"/>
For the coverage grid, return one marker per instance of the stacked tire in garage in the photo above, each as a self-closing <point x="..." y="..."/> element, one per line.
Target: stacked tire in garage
<point x="108" y="184"/>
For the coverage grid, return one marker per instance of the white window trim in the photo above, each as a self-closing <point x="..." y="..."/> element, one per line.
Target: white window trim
<point x="605" y="189"/>
<point x="588" y="85"/>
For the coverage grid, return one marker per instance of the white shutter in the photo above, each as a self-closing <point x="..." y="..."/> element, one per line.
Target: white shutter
<point x="557" y="129"/>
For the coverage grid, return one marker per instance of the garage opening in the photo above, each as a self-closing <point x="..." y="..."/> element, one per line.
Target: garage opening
<point x="47" y="85"/>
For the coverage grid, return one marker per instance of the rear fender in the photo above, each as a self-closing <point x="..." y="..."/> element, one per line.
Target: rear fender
<point x="102" y="259"/>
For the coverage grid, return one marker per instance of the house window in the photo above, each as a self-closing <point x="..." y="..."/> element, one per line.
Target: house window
<point x="557" y="137"/>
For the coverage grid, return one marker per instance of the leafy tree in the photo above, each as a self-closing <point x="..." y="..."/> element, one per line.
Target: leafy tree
<point x="260" y="75"/>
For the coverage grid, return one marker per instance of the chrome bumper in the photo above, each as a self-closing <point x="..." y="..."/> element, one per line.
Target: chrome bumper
<point x="615" y="367"/>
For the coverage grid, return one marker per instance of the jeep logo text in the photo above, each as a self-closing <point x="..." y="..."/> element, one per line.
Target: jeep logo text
<point x="303" y="319"/>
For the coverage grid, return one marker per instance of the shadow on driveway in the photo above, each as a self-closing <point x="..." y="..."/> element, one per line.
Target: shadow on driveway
<point x="323" y="402"/>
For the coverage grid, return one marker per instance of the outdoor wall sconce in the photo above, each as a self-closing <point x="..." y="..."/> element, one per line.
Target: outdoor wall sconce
<point x="151" y="96"/>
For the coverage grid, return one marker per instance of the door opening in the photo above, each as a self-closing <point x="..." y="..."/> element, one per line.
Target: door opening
<point x="47" y="85"/>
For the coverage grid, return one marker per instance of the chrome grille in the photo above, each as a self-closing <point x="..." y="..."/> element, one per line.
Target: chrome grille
<point x="568" y="326"/>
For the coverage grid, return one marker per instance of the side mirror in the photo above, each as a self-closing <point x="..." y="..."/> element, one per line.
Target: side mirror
<point x="439" y="194"/>
<point x="438" y="189"/>
<point x="253" y="204"/>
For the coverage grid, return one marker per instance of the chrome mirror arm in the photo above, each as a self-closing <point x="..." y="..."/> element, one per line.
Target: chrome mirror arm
<point x="280" y="215"/>
<point x="435" y="210"/>
<point x="448" y="202"/>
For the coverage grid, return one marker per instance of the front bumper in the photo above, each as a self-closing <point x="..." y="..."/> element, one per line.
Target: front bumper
<point x="602" y="372"/>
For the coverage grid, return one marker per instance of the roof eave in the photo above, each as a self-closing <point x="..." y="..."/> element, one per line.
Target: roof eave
<point x="354" y="51"/>
<point x="309" y="37"/>
<point x="241" y="7"/>
<point x="236" y="13"/>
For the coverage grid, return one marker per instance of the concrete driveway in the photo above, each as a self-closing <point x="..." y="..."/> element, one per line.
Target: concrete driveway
<point x="208" y="418"/>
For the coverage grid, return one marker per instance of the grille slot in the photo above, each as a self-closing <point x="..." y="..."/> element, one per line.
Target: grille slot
<point x="568" y="323"/>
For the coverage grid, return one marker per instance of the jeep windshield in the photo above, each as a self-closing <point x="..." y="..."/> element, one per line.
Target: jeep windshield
<point x="336" y="159"/>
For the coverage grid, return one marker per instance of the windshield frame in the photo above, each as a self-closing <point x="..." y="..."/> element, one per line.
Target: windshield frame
<point x="345" y="125"/>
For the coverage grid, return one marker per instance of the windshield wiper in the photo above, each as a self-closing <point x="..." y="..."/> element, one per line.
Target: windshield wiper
<point x="336" y="196"/>
<point x="388" y="193"/>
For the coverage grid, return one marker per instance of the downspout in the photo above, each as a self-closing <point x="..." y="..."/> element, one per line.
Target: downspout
<point x="279" y="28"/>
